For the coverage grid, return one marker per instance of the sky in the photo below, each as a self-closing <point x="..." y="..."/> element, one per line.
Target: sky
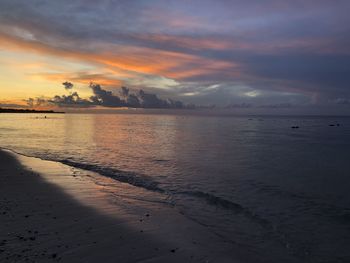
<point x="242" y="54"/>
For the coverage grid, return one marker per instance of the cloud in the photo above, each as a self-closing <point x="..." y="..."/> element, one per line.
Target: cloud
<point x="72" y="100"/>
<point x="82" y="77"/>
<point x="295" y="47"/>
<point x="342" y="101"/>
<point x="67" y="85"/>
<point x="242" y="105"/>
<point x="277" y="106"/>
<point x="10" y="105"/>
<point x="151" y="100"/>
<point x="36" y="102"/>
<point x="105" y="98"/>
<point x="125" y="91"/>
<point x="133" y="101"/>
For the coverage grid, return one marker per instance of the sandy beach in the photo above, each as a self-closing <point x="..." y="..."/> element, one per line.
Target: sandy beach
<point x="50" y="212"/>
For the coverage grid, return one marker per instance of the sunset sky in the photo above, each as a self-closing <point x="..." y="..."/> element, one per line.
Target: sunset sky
<point x="271" y="53"/>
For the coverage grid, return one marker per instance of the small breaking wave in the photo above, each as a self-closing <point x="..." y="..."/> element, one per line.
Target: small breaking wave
<point x="147" y="183"/>
<point x="122" y="176"/>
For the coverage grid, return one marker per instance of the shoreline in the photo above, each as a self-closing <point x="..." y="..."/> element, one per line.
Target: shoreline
<point x="27" y="110"/>
<point x="53" y="212"/>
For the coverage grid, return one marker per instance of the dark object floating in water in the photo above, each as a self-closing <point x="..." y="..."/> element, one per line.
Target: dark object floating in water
<point x="332" y="125"/>
<point x="2" y="110"/>
<point x="295" y="127"/>
<point x="161" y="160"/>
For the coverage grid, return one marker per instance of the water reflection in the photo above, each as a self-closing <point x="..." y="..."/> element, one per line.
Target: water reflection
<point x="272" y="181"/>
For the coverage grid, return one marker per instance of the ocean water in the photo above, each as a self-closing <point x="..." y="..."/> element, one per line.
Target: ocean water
<point x="275" y="191"/>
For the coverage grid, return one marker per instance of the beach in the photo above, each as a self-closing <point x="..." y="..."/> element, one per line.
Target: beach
<point x="69" y="218"/>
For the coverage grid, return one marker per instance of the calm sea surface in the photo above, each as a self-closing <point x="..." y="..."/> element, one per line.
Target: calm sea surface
<point x="276" y="191"/>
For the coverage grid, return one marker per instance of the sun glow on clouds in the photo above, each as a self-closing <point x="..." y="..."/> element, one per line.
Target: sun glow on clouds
<point x="233" y="50"/>
<point x="130" y="65"/>
<point x="190" y="94"/>
<point x="25" y="34"/>
<point x="32" y="74"/>
<point x="253" y="93"/>
<point x="154" y="82"/>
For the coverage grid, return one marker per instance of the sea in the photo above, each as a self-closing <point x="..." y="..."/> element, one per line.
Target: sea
<point x="278" y="186"/>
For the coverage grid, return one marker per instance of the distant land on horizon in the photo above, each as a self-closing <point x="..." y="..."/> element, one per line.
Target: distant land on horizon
<point x="2" y="110"/>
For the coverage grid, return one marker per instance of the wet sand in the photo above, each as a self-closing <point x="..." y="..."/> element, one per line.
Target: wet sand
<point x="50" y="212"/>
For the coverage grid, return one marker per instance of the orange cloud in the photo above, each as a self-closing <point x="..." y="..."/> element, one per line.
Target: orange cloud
<point x="128" y="61"/>
<point x="84" y="78"/>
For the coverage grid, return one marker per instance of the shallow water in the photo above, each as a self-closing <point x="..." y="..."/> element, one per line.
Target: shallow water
<point x="254" y="181"/>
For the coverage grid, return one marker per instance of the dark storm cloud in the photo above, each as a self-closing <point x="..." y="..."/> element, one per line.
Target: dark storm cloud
<point x="150" y="100"/>
<point x="295" y="47"/>
<point x="140" y="100"/>
<point x="72" y="100"/>
<point x="133" y="101"/>
<point x="125" y="91"/>
<point x="105" y="98"/>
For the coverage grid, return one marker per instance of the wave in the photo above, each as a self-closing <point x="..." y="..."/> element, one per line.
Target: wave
<point x="119" y="175"/>
<point x="147" y="183"/>
<point x="229" y="205"/>
<point x="310" y="204"/>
